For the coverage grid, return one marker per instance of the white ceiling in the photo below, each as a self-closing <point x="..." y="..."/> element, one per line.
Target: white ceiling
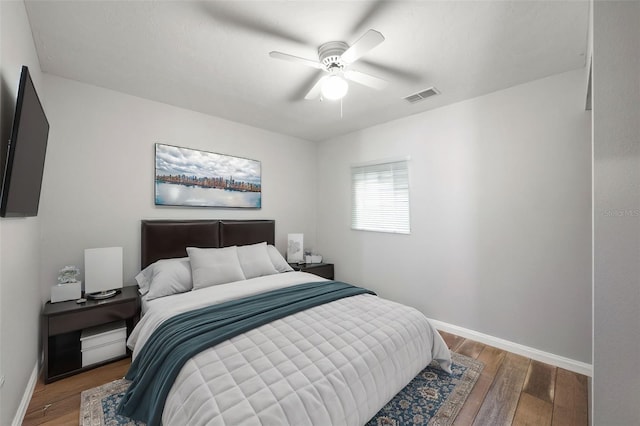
<point x="213" y="57"/>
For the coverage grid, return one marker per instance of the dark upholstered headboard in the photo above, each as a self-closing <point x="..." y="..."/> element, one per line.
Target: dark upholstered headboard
<point x="163" y="239"/>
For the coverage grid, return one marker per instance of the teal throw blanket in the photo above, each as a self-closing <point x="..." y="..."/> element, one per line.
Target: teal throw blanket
<point x="185" y="335"/>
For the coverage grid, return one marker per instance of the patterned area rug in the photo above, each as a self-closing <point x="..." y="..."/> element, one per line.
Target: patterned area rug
<point x="433" y="397"/>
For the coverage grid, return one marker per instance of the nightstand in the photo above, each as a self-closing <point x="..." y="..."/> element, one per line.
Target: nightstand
<point x="324" y="270"/>
<point x="63" y="322"/>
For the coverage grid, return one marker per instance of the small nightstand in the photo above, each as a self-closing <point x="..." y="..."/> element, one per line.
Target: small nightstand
<point x="324" y="270"/>
<point x="62" y="325"/>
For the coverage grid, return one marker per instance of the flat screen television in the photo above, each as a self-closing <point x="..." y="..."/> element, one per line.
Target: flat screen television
<point x="25" y="155"/>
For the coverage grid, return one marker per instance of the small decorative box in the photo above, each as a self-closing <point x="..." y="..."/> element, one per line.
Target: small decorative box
<point x="67" y="291"/>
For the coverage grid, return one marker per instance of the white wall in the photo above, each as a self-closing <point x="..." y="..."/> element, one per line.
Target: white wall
<point x="500" y="214"/>
<point x="19" y="238"/>
<point x="616" y="111"/>
<point x="99" y="175"/>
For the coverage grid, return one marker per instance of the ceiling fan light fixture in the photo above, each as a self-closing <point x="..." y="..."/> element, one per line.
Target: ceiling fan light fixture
<point x="334" y="88"/>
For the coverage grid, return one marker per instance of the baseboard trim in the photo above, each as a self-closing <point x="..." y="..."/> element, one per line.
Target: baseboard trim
<point x="26" y="398"/>
<point x="546" y="357"/>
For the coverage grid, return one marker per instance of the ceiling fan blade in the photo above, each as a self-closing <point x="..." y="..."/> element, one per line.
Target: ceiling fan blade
<point x="368" y="41"/>
<point x="314" y="93"/>
<point x="374" y="8"/>
<point x="392" y="71"/>
<point x="303" y="88"/>
<point x="224" y="14"/>
<point x="365" y="79"/>
<point x="296" y="59"/>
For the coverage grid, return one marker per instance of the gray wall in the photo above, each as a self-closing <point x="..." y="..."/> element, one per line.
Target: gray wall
<point x="100" y="172"/>
<point x="616" y="109"/>
<point x="500" y="191"/>
<point x="19" y="238"/>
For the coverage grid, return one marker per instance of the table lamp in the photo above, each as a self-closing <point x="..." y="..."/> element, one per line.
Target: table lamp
<point x="102" y="272"/>
<point x="295" y="247"/>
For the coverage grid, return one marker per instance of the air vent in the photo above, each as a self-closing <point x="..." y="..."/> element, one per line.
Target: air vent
<point x="426" y="93"/>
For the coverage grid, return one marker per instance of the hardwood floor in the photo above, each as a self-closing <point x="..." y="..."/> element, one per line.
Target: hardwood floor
<point x="58" y="403"/>
<point x="512" y="390"/>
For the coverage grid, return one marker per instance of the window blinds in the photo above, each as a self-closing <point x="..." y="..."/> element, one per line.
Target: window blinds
<point x="380" y="197"/>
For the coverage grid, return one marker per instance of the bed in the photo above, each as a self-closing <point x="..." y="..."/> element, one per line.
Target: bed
<point x="334" y="363"/>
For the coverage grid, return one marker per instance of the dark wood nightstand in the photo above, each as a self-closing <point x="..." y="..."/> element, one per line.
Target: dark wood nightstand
<point x="63" y="322"/>
<point x="324" y="270"/>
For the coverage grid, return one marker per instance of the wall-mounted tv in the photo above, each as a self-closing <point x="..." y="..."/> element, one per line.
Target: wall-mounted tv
<point x="25" y="155"/>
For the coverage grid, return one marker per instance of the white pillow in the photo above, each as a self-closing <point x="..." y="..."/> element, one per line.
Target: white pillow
<point x="213" y="266"/>
<point x="170" y="277"/>
<point x="145" y="277"/>
<point x="278" y="261"/>
<point x="255" y="260"/>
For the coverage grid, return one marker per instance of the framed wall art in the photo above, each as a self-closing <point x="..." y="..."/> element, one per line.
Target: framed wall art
<point x="188" y="177"/>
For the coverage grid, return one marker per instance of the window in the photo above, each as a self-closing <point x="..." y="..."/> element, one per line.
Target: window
<point x="380" y="197"/>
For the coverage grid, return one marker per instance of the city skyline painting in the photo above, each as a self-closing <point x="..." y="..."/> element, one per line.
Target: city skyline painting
<point x="189" y="177"/>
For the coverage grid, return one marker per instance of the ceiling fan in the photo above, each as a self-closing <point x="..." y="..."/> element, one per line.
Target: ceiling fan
<point x="335" y="58"/>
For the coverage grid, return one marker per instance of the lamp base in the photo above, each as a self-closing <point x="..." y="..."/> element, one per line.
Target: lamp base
<point x="101" y="295"/>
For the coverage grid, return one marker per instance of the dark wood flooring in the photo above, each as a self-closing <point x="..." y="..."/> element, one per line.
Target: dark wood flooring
<point x="512" y="390"/>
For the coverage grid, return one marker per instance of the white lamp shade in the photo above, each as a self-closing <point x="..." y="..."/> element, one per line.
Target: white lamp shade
<point x="334" y="87"/>
<point x="295" y="248"/>
<point x="102" y="269"/>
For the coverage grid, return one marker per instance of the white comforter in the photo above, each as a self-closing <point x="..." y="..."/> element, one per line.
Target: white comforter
<point x="334" y="364"/>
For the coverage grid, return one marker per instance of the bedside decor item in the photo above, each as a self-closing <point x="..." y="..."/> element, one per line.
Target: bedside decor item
<point x="187" y="177"/>
<point x="295" y="248"/>
<point x="68" y="274"/>
<point x="312" y="258"/>
<point x="68" y="287"/>
<point x="66" y="291"/>
<point x="102" y="272"/>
